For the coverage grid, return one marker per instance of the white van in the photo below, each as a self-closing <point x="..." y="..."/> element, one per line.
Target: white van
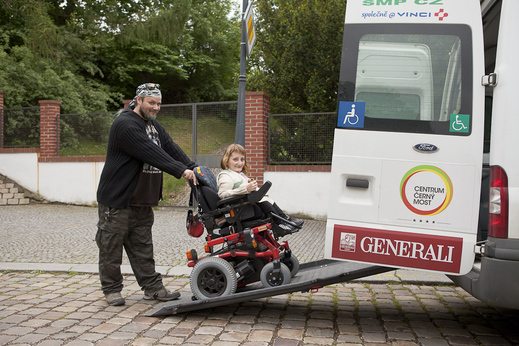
<point x="408" y="147"/>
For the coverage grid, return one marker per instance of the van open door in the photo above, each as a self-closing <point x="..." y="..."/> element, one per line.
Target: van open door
<point x="407" y="157"/>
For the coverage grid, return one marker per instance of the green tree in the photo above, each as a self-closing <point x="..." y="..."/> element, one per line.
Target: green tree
<point x="43" y="60"/>
<point x="99" y="51"/>
<point x="200" y="65"/>
<point x="297" y="54"/>
<point x="211" y="45"/>
<point x="91" y="55"/>
<point x="297" y="61"/>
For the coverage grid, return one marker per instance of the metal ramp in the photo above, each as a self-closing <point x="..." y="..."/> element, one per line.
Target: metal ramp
<point x="311" y="275"/>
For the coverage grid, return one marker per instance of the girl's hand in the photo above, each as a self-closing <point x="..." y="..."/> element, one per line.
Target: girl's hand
<point x="252" y="185"/>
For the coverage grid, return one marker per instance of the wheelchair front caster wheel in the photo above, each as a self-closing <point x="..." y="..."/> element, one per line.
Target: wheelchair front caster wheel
<point x="293" y="264"/>
<point x="269" y="280"/>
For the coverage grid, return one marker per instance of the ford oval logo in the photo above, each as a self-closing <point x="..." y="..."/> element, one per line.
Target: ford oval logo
<point x="426" y="148"/>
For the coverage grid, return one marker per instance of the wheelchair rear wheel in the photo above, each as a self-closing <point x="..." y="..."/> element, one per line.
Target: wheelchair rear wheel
<point x="213" y="277"/>
<point x="267" y="278"/>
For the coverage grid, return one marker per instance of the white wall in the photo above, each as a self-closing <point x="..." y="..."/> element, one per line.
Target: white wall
<point x="300" y="192"/>
<point x="76" y="183"/>
<point x="70" y="182"/>
<point x="22" y="168"/>
<point x="66" y="182"/>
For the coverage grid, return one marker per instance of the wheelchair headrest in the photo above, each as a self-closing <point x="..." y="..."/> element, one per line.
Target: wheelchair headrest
<point x="206" y="177"/>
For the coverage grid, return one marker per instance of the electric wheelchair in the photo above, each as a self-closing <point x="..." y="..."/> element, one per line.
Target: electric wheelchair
<point x="241" y="242"/>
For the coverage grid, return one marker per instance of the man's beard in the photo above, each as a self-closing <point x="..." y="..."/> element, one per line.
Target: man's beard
<point x="149" y="116"/>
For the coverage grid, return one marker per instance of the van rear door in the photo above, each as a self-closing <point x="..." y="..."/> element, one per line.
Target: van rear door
<point x="407" y="157"/>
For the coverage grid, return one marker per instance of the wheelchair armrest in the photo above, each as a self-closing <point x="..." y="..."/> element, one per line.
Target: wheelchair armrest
<point x="230" y="200"/>
<point x="256" y="196"/>
<point x="252" y="197"/>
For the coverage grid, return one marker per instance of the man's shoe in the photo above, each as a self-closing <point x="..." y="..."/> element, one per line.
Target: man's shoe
<point x="114" y="299"/>
<point x="162" y="295"/>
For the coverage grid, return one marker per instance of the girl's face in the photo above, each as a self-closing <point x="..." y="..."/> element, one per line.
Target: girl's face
<point x="236" y="162"/>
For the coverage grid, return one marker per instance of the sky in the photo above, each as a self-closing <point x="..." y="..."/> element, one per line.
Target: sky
<point x="239" y="3"/>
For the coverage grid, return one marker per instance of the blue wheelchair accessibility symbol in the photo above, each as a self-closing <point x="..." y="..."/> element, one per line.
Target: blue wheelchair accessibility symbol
<point x="351" y="114"/>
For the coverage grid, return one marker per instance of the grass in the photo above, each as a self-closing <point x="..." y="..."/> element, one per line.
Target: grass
<point x="213" y="134"/>
<point x="85" y="147"/>
<point x="170" y="188"/>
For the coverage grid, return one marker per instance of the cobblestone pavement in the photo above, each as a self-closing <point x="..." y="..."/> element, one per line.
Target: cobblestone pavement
<point x="44" y="233"/>
<point x="67" y="308"/>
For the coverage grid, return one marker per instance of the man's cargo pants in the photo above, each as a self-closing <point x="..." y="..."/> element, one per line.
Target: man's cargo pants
<point x="130" y="229"/>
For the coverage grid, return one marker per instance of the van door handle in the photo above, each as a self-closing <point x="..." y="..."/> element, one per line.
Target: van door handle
<point x="359" y="183"/>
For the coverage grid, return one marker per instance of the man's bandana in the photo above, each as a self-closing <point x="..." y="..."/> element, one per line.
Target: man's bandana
<point x="146" y="90"/>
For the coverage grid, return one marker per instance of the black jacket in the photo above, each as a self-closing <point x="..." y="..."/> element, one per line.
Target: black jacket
<point x="128" y="148"/>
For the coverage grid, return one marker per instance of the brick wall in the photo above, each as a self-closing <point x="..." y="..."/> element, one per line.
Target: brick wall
<point x="49" y="128"/>
<point x="257" y="112"/>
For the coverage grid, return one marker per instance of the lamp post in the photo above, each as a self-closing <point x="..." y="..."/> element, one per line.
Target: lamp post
<point x="240" y="115"/>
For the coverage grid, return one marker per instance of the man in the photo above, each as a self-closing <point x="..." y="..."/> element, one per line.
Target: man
<point x="139" y="149"/>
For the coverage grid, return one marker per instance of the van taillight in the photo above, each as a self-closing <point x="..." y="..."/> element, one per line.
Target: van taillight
<point x="498" y="203"/>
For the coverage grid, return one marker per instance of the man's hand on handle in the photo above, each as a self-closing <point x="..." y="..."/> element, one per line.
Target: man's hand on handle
<point x="190" y="175"/>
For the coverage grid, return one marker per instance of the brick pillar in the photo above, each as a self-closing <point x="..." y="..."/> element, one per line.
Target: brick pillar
<point x="1" y="118"/>
<point x="257" y="110"/>
<point x="126" y="103"/>
<point x="49" y="128"/>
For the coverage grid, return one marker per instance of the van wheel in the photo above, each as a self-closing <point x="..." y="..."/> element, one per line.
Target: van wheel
<point x="213" y="277"/>
<point x="268" y="280"/>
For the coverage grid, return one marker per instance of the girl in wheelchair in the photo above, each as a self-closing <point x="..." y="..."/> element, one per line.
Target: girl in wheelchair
<point x="233" y="181"/>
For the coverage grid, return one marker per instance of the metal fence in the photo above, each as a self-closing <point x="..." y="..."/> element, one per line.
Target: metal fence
<point x="202" y="130"/>
<point x="21" y="127"/>
<point x="301" y="138"/>
<point x="84" y="134"/>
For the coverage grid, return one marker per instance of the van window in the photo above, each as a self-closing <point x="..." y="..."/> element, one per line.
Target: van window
<point x="391" y="104"/>
<point x="411" y="78"/>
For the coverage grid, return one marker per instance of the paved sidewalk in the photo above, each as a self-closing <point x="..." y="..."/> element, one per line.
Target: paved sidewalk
<point x="50" y="295"/>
